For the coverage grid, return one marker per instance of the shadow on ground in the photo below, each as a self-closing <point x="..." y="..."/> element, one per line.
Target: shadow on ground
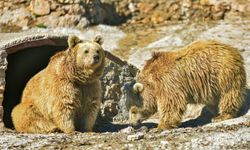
<point x="106" y="126"/>
<point x="204" y="118"/>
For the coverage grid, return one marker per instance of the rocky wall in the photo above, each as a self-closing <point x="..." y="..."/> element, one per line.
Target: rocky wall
<point x="16" y="15"/>
<point x="24" y="14"/>
<point x="162" y="11"/>
<point x="113" y="80"/>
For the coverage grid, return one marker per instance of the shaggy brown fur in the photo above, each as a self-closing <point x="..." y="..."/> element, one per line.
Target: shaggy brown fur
<point x="65" y="96"/>
<point x="204" y="72"/>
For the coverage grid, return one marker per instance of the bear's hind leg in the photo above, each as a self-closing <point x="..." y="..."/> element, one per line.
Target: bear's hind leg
<point x="229" y="105"/>
<point x="26" y="118"/>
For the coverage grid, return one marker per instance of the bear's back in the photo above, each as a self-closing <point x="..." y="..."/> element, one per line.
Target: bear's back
<point x="201" y="70"/>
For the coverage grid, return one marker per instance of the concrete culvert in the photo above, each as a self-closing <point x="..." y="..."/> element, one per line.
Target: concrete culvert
<point x="23" y="57"/>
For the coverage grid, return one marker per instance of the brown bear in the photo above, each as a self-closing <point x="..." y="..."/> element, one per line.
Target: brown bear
<point x="205" y="72"/>
<point x="66" y="95"/>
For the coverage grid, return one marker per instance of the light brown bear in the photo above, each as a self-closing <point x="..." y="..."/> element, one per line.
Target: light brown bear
<point x="66" y="95"/>
<point x="205" y="72"/>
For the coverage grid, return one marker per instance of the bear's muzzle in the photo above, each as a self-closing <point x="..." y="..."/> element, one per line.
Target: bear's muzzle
<point x="96" y="59"/>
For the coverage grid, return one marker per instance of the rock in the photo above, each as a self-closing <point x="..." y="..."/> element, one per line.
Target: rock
<point x="166" y="132"/>
<point x="193" y="111"/>
<point x="69" y="1"/>
<point x="131" y="7"/>
<point x="241" y="7"/>
<point x="220" y="2"/>
<point x="164" y="144"/>
<point x="51" y="20"/>
<point x="135" y="137"/>
<point x="218" y="11"/>
<point x="129" y="146"/>
<point x="1" y="7"/>
<point x="112" y="91"/>
<point x="40" y="7"/>
<point x="204" y="2"/>
<point x="113" y="79"/>
<point x="126" y="75"/>
<point x="110" y="109"/>
<point x="1" y="112"/>
<point x="69" y="20"/>
<point x="18" y="17"/>
<point x="146" y="7"/>
<point x="143" y="129"/>
<point x="25" y="28"/>
<point x="187" y="3"/>
<point x="218" y="16"/>
<point x="83" y="23"/>
<point x="96" y="13"/>
<point x="157" y="17"/>
<point x="127" y="130"/>
<point x="53" y="5"/>
<point x="74" y="9"/>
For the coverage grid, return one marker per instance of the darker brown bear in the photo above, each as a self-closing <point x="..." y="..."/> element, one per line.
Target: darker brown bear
<point x="206" y="72"/>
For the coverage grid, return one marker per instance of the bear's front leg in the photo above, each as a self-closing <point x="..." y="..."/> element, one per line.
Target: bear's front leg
<point x="166" y="125"/>
<point x="64" y="119"/>
<point x="90" y="115"/>
<point x="89" y="121"/>
<point x="170" y="115"/>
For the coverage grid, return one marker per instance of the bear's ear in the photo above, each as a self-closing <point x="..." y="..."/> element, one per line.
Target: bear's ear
<point x="73" y="40"/>
<point x="98" y="39"/>
<point x="138" y="87"/>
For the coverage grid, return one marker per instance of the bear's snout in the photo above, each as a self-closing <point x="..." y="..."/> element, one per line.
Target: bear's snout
<point x="96" y="59"/>
<point x="136" y="123"/>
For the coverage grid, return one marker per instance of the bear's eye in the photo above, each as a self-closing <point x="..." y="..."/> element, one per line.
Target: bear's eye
<point x="133" y="112"/>
<point x="86" y="51"/>
<point x="98" y="52"/>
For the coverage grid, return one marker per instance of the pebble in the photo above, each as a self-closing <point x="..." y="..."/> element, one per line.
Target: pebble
<point x="164" y="144"/>
<point x="165" y="132"/>
<point x="135" y="137"/>
<point x="127" y="130"/>
<point x="143" y="129"/>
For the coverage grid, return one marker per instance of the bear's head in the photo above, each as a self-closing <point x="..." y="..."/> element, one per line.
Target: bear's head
<point x="134" y="102"/>
<point x="88" y="56"/>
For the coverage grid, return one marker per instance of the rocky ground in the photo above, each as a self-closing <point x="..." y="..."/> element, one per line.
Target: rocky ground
<point x="226" y="135"/>
<point x="150" y="26"/>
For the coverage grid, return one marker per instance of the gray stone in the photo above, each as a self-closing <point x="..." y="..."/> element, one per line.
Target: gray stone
<point x="135" y="137"/>
<point x="18" y="17"/>
<point x="69" y="20"/>
<point x="83" y="23"/>
<point x="69" y="1"/>
<point x="109" y="109"/>
<point x="128" y="130"/>
<point x="164" y="144"/>
<point x="40" y="7"/>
